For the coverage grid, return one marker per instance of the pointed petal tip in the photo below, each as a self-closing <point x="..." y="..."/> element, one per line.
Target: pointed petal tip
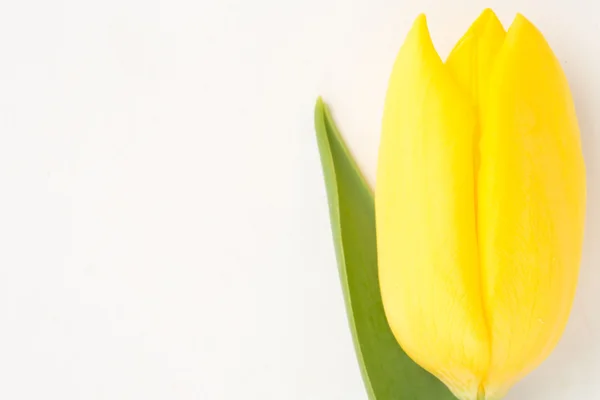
<point x="487" y="26"/>
<point x="520" y="18"/>
<point x="417" y="44"/>
<point x="421" y="19"/>
<point x="521" y="23"/>
<point x="419" y="35"/>
<point x="486" y="18"/>
<point x="420" y="26"/>
<point x="523" y="33"/>
<point x="488" y="13"/>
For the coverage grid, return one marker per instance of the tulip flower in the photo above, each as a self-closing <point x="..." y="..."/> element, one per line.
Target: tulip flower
<point x="479" y="204"/>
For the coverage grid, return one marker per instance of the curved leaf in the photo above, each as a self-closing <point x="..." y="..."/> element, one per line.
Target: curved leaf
<point x="387" y="371"/>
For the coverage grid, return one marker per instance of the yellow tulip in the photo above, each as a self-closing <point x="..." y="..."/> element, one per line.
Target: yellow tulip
<point x="480" y="205"/>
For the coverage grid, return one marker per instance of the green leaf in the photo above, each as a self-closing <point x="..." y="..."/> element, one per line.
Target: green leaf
<point x="387" y="371"/>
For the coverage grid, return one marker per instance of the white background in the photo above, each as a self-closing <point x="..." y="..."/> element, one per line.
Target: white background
<point x="164" y="231"/>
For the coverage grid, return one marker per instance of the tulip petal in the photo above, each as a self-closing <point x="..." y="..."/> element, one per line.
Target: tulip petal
<point x="471" y="60"/>
<point x="531" y="191"/>
<point x="425" y="219"/>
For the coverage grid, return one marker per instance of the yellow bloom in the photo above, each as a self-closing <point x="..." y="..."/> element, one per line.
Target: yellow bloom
<point x="480" y="203"/>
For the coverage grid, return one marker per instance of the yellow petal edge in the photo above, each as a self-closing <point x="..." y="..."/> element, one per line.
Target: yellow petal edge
<point x="480" y="204"/>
